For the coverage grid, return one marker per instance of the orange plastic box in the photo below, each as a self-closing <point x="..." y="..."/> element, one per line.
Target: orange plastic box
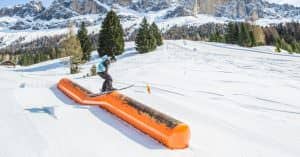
<point x="165" y="129"/>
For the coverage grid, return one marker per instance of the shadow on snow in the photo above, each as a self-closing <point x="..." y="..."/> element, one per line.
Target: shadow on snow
<point x="50" y="110"/>
<point x="113" y="121"/>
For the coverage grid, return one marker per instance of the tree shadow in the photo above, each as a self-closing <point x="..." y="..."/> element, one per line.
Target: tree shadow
<point x="125" y="128"/>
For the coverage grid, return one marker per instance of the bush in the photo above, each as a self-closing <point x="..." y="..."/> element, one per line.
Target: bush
<point x="93" y="70"/>
<point x="74" y="69"/>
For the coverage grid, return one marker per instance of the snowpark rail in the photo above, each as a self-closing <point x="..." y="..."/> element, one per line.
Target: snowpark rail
<point x="165" y="129"/>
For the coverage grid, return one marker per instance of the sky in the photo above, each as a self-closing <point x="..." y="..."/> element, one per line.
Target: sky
<point x="4" y="3"/>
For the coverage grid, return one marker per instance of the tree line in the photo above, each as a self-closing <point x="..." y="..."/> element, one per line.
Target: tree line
<point x="110" y="39"/>
<point x="148" y="37"/>
<point x="283" y="36"/>
<point x="110" y="42"/>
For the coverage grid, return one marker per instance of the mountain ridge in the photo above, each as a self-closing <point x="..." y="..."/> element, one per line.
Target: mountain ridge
<point x="240" y="8"/>
<point x="38" y="21"/>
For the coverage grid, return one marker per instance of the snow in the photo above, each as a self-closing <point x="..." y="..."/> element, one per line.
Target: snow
<point x="266" y="22"/>
<point x="237" y="101"/>
<point x="103" y="5"/>
<point x="291" y="2"/>
<point x="8" y="36"/>
<point x="28" y="36"/>
<point x="8" y="19"/>
<point x="200" y="19"/>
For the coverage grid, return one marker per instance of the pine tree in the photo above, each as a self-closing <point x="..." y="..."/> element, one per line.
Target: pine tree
<point x="213" y="38"/>
<point x="217" y="37"/>
<point x="85" y="42"/>
<point x="157" y="34"/>
<point x="152" y="40"/>
<point x="145" y="40"/>
<point x="23" y="60"/>
<point x="237" y="30"/>
<point x="232" y="33"/>
<point x="278" y="45"/>
<point x="30" y="59"/>
<point x="141" y="37"/>
<point x="277" y="49"/>
<point x="297" y="49"/>
<point x="27" y="59"/>
<point x="296" y="46"/>
<point x="282" y="44"/>
<point x="252" y="39"/>
<point x="286" y="46"/>
<point x="111" y="37"/>
<point x="244" y="35"/>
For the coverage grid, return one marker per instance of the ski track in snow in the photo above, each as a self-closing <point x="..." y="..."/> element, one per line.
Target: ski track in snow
<point x="237" y="101"/>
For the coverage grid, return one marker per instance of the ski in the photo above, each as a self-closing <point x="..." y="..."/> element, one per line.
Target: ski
<point x="107" y="92"/>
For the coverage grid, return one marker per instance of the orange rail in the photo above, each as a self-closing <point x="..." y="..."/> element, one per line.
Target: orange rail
<point x="165" y="129"/>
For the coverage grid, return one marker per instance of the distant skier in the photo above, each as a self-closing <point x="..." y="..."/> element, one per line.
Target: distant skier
<point x="102" y="71"/>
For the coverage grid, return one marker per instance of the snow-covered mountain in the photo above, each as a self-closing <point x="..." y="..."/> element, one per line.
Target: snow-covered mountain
<point x="256" y="9"/>
<point x="34" y="15"/>
<point x="25" y="22"/>
<point x="291" y="2"/>
<point x="33" y="8"/>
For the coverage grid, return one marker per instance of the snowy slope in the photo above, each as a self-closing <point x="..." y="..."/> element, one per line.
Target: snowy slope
<point x="237" y="101"/>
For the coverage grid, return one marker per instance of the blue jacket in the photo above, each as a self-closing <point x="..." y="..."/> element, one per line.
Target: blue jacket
<point x="101" y="65"/>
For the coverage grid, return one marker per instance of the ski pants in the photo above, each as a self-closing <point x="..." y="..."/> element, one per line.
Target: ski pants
<point x="107" y="85"/>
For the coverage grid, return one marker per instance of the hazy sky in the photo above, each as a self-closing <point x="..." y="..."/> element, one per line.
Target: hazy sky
<point x="4" y="3"/>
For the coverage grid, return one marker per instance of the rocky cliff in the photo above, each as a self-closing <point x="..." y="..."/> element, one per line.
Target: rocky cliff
<point x="33" y="8"/>
<point x="34" y="15"/>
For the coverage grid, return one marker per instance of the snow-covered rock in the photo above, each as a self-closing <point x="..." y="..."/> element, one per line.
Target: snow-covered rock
<point x="256" y="9"/>
<point x="32" y="8"/>
<point x="34" y="16"/>
<point x="67" y="9"/>
<point x="64" y="9"/>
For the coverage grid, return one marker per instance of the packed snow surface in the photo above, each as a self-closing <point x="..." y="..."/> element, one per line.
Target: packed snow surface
<point x="239" y="102"/>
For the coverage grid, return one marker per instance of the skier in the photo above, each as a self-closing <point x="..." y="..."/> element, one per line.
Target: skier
<point x="102" y="71"/>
